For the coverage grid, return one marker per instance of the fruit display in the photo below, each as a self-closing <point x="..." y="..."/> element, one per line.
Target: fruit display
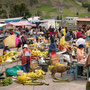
<point x="7" y="81"/>
<point x="39" y="53"/>
<point x="57" y="64"/>
<point x="9" y="57"/>
<point x="31" y="78"/>
<point x="35" y="57"/>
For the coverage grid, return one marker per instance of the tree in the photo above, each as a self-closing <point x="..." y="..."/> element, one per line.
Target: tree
<point x="19" y="10"/>
<point x="3" y="13"/>
<point x="32" y="2"/>
<point x="89" y="8"/>
<point x="59" y="17"/>
<point x="38" y="13"/>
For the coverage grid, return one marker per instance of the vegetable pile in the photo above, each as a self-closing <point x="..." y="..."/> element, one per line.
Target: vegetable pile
<point x="7" y="81"/>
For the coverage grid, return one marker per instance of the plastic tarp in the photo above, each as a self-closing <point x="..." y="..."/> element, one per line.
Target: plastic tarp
<point x="34" y="21"/>
<point x="13" y="71"/>
<point x="21" y="23"/>
<point x="13" y="20"/>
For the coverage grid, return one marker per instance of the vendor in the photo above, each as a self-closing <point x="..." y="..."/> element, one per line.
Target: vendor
<point x="6" y="49"/>
<point x="81" y="55"/>
<point x="81" y="41"/>
<point x="26" y="58"/>
<point x="61" y="45"/>
<point x="62" y="40"/>
<point x="37" y="42"/>
<point x="52" y="46"/>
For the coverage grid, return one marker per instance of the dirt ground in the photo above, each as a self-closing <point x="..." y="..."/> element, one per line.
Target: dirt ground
<point x="79" y="84"/>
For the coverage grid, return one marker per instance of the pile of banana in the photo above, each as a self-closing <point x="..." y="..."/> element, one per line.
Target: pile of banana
<point x="9" y="57"/>
<point x="31" y="78"/>
<point x="57" y="64"/>
<point x="39" y="53"/>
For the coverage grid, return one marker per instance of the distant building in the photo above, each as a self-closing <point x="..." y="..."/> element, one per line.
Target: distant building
<point x="71" y="20"/>
<point x="83" y="21"/>
<point x="47" y="23"/>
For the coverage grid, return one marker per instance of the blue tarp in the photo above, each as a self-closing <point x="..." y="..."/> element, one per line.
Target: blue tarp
<point x="7" y="21"/>
<point x="13" y="20"/>
<point x="34" y="21"/>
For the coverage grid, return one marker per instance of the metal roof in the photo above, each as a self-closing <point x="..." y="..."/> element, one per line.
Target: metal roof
<point x="84" y="19"/>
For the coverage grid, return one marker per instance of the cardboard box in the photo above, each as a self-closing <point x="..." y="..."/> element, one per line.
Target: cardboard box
<point x="54" y="61"/>
<point x="34" y="65"/>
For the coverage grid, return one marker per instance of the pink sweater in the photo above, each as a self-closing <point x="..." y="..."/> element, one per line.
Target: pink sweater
<point x="17" y="41"/>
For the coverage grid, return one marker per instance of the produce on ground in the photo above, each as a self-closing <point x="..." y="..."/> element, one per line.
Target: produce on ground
<point x="11" y="56"/>
<point x="31" y="78"/>
<point x="7" y="81"/>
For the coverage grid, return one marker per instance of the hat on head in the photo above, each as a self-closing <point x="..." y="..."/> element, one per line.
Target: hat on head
<point x="25" y="45"/>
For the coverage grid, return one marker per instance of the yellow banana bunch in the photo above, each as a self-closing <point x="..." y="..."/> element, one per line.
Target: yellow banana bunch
<point x="32" y="75"/>
<point x="40" y="72"/>
<point x="28" y="78"/>
<point x="39" y="53"/>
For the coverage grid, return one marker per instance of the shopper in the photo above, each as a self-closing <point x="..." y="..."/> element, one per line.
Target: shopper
<point x="24" y="38"/>
<point x="18" y="42"/>
<point x="26" y="58"/>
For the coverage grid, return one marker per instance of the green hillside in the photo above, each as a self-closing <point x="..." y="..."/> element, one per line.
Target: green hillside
<point x="52" y="8"/>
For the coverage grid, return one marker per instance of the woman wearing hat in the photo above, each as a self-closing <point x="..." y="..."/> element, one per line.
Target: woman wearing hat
<point x="6" y="49"/>
<point x="26" y="58"/>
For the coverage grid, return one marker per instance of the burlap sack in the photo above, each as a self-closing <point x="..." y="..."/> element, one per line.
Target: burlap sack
<point x="10" y="41"/>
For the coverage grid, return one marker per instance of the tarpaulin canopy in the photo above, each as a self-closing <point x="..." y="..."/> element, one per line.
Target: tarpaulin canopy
<point x="22" y="23"/>
<point x="13" y="19"/>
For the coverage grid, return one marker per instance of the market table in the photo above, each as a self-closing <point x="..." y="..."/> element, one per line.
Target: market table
<point x="76" y="72"/>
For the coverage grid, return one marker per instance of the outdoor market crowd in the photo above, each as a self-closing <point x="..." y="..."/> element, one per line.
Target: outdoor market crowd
<point x="58" y="38"/>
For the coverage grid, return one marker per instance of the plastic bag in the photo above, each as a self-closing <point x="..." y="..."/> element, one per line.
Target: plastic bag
<point x="41" y="61"/>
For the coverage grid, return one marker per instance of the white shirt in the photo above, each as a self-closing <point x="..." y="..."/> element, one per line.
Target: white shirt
<point x="26" y="53"/>
<point x="80" y="41"/>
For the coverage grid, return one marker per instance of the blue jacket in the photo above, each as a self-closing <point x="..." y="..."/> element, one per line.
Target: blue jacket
<point x="52" y="47"/>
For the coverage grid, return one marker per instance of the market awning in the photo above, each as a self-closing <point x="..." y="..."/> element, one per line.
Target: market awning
<point x="83" y="19"/>
<point x="34" y="21"/>
<point x="22" y="23"/>
<point x="13" y="19"/>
